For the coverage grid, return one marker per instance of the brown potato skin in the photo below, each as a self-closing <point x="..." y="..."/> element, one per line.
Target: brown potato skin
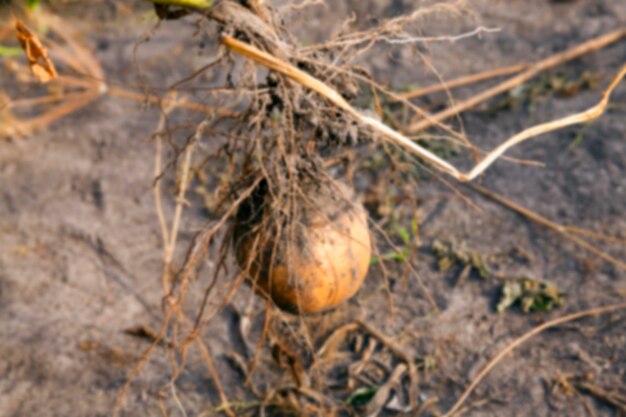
<point x="326" y="267"/>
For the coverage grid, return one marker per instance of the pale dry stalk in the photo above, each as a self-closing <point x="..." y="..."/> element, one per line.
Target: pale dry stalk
<point x="183" y="184"/>
<point x="543" y="65"/>
<point x="520" y="340"/>
<point x="462" y="81"/>
<point x="379" y="127"/>
<point x="568" y="232"/>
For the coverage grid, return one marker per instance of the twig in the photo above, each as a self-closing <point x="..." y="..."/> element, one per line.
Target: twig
<point x="26" y="102"/>
<point x="451" y="39"/>
<point x="566" y="231"/>
<point x="208" y="360"/>
<point x="91" y="80"/>
<point x="180" y="200"/>
<point x="165" y="235"/>
<point x="389" y="29"/>
<point x="134" y="371"/>
<point x="577" y="118"/>
<point x="462" y="81"/>
<point x="333" y="96"/>
<point x="616" y="400"/>
<point x="379" y="400"/>
<point x="183" y="104"/>
<point x="401" y="353"/>
<point x="78" y="101"/>
<point x="543" y="65"/>
<point x="594" y="235"/>
<point x="333" y="341"/>
<point x="337" y="99"/>
<point x="520" y="340"/>
<point x="176" y="400"/>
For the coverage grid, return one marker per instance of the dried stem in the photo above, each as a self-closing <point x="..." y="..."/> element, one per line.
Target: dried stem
<point x="180" y="200"/>
<point x="577" y="118"/>
<point x="543" y="65"/>
<point x="520" y="340"/>
<point x="401" y="353"/>
<point x="334" y="97"/>
<point x="208" y="360"/>
<point x="462" y="81"/>
<point x="182" y="104"/>
<point x="183" y="183"/>
<point x="566" y="231"/>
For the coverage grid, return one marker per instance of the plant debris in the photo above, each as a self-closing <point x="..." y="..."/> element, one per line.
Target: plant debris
<point x="409" y="238"/>
<point x="40" y="65"/>
<point x="361" y="396"/>
<point x="450" y="254"/>
<point x="549" y="84"/>
<point x="569" y="386"/>
<point x="531" y="295"/>
<point x="144" y="332"/>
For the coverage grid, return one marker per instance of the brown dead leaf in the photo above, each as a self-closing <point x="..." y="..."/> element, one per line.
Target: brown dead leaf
<point x="40" y="65"/>
<point x="115" y="356"/>
<point x="287" y="358"/>
<point x="381" y="395"/>
<point x="144" y="332"/>
<point x="532" y="295"/>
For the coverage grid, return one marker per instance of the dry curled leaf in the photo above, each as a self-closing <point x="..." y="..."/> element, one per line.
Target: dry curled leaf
<point x="144" y="332"/>
<point x="40" y="65"/>
<point x="532" y="295"/>
<point x="450" y="254"/>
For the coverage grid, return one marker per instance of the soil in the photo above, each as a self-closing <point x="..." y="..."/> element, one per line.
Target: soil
<point x="81" y="251"/>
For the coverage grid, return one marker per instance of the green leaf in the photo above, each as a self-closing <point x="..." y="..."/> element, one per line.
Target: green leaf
<point x="10" y="51"/>
<point x="398" y="256"/>
<point x="361" y="396"/>
<point x="193" y="4"/>
<point x="404" y="235"/>
<point x="32" y="4"/>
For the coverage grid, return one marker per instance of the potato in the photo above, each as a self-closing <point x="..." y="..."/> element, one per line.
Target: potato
<point x="309" y="253"/>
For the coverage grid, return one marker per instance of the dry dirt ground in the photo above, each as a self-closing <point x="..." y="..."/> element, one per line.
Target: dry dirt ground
<point x="80" y="249"/>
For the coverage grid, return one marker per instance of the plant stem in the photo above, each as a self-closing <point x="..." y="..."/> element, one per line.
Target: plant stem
<point x="194" y="4"/>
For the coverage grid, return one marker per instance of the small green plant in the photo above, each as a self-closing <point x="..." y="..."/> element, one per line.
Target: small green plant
<point x="361" y="396"/>
<point x="406" y="235"/>
<point x="9" y="51"/>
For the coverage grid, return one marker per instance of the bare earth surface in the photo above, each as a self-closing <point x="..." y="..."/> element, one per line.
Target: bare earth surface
<point x="80" y="249"/>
